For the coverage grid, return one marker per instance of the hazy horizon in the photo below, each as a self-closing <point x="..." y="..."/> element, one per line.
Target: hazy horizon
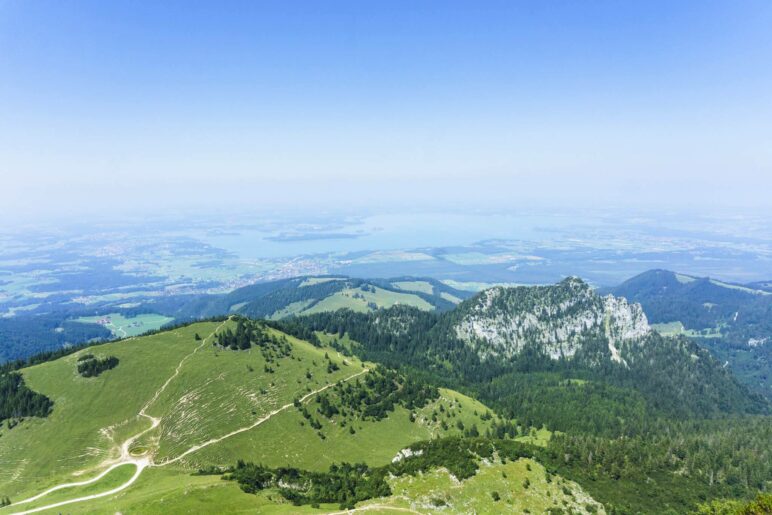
<point x="128" y="109"/>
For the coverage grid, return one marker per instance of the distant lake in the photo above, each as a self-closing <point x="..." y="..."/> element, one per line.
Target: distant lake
<point x="392" y="231"/>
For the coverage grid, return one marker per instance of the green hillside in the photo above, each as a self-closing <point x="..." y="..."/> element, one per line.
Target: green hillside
<point x="313" y="294"/>
<point x="733" y="321"/>
<point x="184" y="399"/>
<point x="25" y="335"/>
<point x="365" y="299"/>
<point x="521" y="486"/>
<point x="699" y="303"/>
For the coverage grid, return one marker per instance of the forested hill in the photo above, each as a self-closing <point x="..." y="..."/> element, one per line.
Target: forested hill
<point x="308" y="295"/>
<point x="48" y="329"/>
<point x="701" y="303"/>
<point x="733" y="321"/>
<point x="561" y="354"/>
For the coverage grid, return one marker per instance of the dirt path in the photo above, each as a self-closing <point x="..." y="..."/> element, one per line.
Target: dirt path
<point x="71" y="485"/>
<point x="125" y="456"/>
<point x="371" y="507"/>
<point x="258" y="422"/>
<point x="143" y="462"/>
<point x="115" y="490"/>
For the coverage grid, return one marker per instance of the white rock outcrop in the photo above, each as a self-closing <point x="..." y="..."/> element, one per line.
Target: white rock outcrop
<point x="406" y="453"/>
<point x="558" y="319"/>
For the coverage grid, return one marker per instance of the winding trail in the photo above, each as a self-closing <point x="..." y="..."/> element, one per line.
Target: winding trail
<point x="87" y="497"/>
<point x="258" y="422"/>
<point x="371" y="507"/>
<point x="125" y="457"/>
<point x="141" y="463"/>
<point x="72" y="485"/>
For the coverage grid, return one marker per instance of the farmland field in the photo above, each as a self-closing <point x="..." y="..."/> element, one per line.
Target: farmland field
<point x="123" y="327"/>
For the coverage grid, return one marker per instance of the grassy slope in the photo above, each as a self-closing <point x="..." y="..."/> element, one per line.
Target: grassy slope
<point x="345" y="341"/>
<point x="318" y="280"/>
<point x="42" y="452"/>
<point x="221" y="394"/>
<point x="165" y="491"/>
<point x="450" y="298"/>
<point x="538" y="437"/>
<point x="423" y="492"/>
<point x="382" y="298"/>
<point x="677" y="328"/>
<point x="420" y="286"/>
<point x="284" y="441"/>
<point x="293" y="308"/>
<point x="216" y="392"/>
<point x="115" y="478"/>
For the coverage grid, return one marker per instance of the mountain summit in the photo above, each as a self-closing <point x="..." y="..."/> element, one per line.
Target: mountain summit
<point x="501" y="322"/>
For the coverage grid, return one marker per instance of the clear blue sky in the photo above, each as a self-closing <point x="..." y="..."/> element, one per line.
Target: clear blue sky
<point x="137" y="105"/>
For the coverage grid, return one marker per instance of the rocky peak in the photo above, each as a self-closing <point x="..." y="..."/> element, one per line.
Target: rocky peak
<point x="502" y="321"/>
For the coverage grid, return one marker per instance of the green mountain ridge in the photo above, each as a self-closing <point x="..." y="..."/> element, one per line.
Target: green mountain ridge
<point x="311" y="294"/>
<point x="733" y="321"/>
<point x="29" y="333"/>
<point x="697" y="302"/>
<point x="566" y="328"/>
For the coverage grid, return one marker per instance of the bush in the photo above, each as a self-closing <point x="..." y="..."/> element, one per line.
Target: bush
<point x="92" y="366"/>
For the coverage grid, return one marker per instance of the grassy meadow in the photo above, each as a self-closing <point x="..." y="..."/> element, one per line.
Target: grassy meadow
<point x="200" y="393"/>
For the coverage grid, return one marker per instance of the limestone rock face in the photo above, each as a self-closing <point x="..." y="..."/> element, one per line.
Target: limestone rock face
<point x="558" y="319"/>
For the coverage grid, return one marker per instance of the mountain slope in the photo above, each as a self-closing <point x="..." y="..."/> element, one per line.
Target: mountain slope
<point x="566" y="330"/>
<point x="313" y="294"/>
<point x="214" y="396"/>
<point x="733" y="321"/>
<point x="697" y="302"/>
<point x="606" y="337"/>
<point x="185" y="399"/>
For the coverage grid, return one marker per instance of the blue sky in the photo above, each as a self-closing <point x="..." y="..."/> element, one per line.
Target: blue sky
<point x="132" y="105"/>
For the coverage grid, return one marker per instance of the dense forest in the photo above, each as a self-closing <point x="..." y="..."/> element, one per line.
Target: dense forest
<point x="18" y="401"/>
<point x="26" y="335"/>
<point x="681" y="462"/>
<point x="701" y="303"/>
<point x="678" y="478"/>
